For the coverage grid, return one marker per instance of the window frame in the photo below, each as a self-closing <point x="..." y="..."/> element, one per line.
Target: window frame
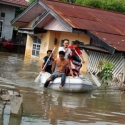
<point x="36" y="46"/>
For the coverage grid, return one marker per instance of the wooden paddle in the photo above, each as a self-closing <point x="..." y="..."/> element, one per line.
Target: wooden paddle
<point x="93" y="77"/>
<point x="38" y="77"/>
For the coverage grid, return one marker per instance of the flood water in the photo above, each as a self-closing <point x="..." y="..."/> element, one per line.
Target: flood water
<point x="55" y="108"/>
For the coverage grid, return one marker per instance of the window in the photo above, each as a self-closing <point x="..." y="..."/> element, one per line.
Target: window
<point x="61" y="43"/>
<point x="36" y="46"/>
<point x="94" y="43"/>
<point x="2" y="14"/>
<point x="1" y="28"/>
<point x="80" y="43"/>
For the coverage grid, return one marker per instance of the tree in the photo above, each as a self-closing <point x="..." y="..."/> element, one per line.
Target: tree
<point x="113" y="5"/>
<point x="30" y="1"/>
<point x="70" y="1"/>
<point x="21" y="9"/>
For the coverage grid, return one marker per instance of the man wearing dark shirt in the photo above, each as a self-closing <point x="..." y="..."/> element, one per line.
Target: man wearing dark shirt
<point x="48" y="67"/>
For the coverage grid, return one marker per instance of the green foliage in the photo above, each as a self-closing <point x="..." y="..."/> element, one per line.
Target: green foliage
<point x="19" y="11"/>
<point x="106" y="70"/>
<point x="30" y="1"/>
<point x="72" y="1"/>
<point x="113" y="5"/>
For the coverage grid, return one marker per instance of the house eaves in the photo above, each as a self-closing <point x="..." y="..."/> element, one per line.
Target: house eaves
<point x="15" y="4"/>
<point x="41" y="18"/>
<point x="101" y="42"/>
<point x="56" y="16"/>
<point x="94" y="48"/>
<point x="31" y="31"/>
<point x="117" y="42"/>
<point x="10" y="4"/>
<point x="24" y="12"/>
<point x="107" y="47"/>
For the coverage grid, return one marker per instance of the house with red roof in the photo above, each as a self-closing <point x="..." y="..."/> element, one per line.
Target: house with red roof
<point x="101" y="33"/>
<point x="7" y="13"/>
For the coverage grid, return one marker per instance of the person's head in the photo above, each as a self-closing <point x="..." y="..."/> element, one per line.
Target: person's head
<point x="49" y="52"/>
<point x="66" y="43"/>
<point x="76" y="44"/>
<point x="61" y="55"/>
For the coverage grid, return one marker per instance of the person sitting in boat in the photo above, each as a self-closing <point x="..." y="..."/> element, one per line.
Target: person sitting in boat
<point x="61" y="63"/>
<point x="74" y="58"/>
<point x="48" y="66"/>
<point x="65" y="48"/>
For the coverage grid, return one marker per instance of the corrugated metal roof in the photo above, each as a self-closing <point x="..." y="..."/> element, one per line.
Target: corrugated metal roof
<point x="118" y="42"/>
<point x="107" y="24"/>
<point x="16" y="2"/>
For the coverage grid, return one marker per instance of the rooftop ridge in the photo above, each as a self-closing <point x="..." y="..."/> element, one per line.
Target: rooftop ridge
<point x="84" y="6"/>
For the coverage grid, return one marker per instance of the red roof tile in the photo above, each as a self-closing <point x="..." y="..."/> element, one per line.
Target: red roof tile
<point x="108" y="25"/>
<point x="15" y="2"/>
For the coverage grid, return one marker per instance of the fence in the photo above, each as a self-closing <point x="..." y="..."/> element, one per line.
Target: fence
<point x="116" y="59"/>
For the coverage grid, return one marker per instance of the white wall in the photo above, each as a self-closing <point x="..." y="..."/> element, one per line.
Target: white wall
<point x="9" y="16"/>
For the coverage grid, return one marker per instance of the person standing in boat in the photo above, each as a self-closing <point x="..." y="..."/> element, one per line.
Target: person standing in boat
<point x="61" y="63"/>
<point x="74" y="58"/>
<point x="48" y="67"/>
<point x="65" y="48"/>
<point x="75" y="47"/>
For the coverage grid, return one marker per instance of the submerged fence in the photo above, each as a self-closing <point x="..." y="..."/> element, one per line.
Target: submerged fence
<point x="117" y="59"/>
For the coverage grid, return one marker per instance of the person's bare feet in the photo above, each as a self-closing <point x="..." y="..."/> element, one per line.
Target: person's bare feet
<point x="60" y="86"/>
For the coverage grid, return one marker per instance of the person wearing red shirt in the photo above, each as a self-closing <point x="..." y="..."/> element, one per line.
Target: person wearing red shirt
<point x="74" y="59"/>
<point x="74" y="47"/>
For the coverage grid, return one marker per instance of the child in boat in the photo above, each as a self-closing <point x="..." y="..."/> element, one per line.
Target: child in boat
<point x="74" y="58"/>
<point x="48" y="66"/>
<point x="61" y="63"/>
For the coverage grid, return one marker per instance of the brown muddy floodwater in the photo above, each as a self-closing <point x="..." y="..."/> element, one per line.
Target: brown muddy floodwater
<point x="56" y="108"/>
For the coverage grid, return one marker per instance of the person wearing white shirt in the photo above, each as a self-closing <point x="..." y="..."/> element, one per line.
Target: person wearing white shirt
<point x="65" y="49"/>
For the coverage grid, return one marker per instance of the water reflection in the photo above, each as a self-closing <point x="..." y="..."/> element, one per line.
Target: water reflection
<point x="56" y="108"/>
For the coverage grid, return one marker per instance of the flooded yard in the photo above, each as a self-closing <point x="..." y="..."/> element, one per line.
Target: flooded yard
<point x="50" y="107"/>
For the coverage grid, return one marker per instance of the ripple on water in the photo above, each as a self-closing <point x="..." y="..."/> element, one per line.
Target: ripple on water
<point x="56" y="108"/>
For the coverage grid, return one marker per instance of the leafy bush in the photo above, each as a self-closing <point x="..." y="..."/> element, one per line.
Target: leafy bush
<point x="106" y="72"/>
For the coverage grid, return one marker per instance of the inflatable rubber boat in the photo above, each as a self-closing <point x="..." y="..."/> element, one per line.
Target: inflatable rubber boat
<point x="76" y="84"/>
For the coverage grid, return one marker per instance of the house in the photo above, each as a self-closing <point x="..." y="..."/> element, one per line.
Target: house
<point x="7" y="13"/>
<point x="48" y="22"/>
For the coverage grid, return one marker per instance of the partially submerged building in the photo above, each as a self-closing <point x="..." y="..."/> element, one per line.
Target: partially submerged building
<point x="100" y="32"/>
<point x="7" y="13"/>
